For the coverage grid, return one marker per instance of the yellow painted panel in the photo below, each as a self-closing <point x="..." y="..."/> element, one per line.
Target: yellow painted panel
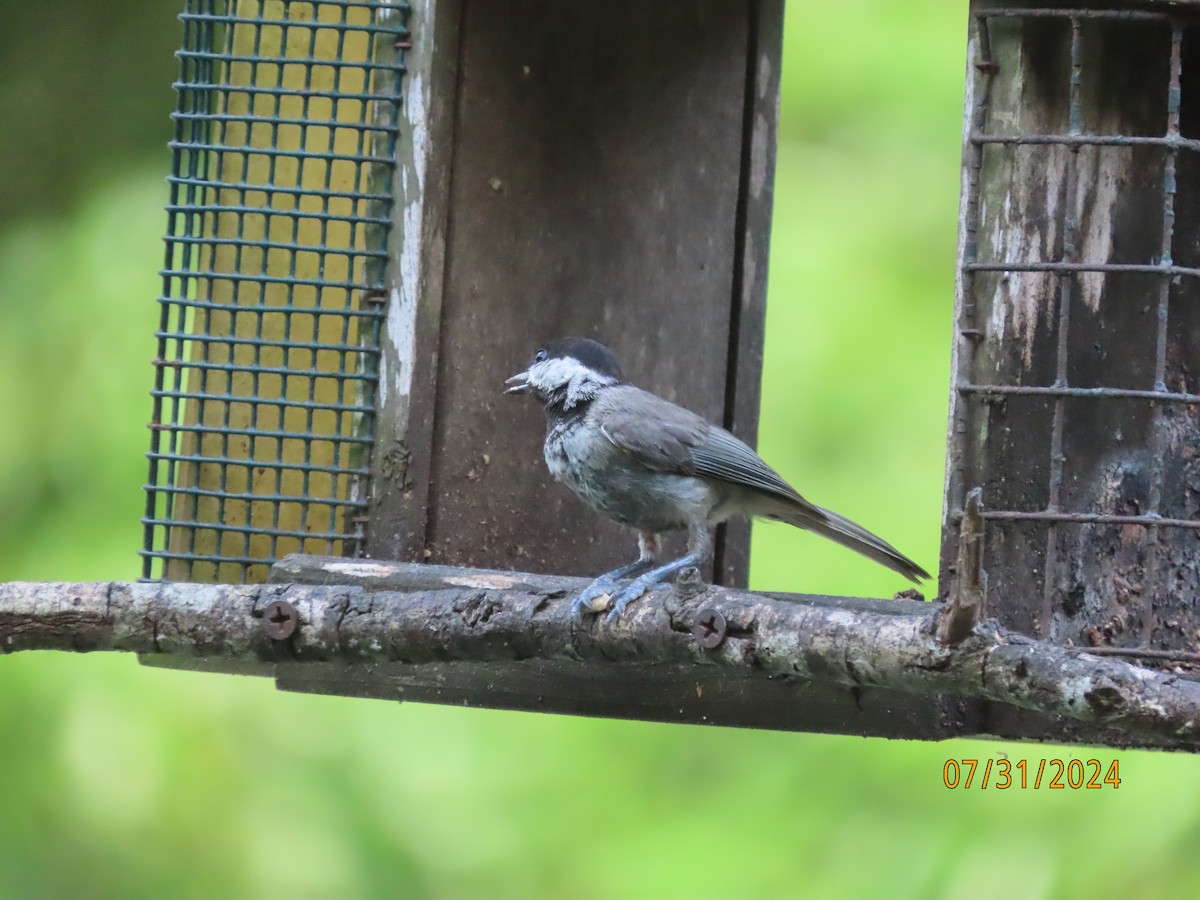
<point x="282" y="265"/>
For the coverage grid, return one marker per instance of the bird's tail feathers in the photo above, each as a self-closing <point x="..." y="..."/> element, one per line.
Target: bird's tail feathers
<point x="840" y="529"/>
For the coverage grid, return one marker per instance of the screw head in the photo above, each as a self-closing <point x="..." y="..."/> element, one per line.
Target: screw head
<point x="280" y="620"/>
<point x="709" y="629"/>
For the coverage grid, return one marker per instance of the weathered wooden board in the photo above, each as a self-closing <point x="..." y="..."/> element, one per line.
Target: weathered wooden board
<point x="659" y="693"/>
<point x="601" y="169"/>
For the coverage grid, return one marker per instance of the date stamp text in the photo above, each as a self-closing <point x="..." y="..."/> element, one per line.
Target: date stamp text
<point x="1003" y="774"/>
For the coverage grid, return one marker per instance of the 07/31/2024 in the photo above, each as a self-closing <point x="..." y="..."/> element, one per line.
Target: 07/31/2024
<point x="1023" y="774"/>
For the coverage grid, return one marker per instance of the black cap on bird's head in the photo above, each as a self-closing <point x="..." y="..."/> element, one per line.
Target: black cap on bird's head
<point x="592" y="354"/>
<point x="568" y="371"/>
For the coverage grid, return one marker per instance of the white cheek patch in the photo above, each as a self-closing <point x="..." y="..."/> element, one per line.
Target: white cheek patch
<point x="550" y="375"/>
<point x="581" y="383"/>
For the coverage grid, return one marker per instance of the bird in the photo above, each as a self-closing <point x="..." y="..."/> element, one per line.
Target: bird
<point x="656" y="467"/>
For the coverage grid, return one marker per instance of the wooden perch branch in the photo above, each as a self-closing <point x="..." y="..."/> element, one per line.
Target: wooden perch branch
<point x="390" y="618"/>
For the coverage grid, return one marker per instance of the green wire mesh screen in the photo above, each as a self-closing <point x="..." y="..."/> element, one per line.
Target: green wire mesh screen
<point x="276" y="241"/>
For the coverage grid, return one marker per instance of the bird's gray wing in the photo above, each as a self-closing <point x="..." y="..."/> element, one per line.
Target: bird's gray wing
<point x="669" y="438"/>
<point x="654" y="431"/>
<point x="721" y="455"/>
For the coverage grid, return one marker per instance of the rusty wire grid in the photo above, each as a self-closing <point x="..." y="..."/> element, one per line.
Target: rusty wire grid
<point x="277" y="226"/>
<point x="968" y="460"/>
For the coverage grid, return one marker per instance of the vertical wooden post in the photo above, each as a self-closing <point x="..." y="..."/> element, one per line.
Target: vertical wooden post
<point x="410" y="337"/>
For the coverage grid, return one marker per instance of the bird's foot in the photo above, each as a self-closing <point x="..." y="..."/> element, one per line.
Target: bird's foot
<point x="652" y="580"/>
<point x="604" y="587"/>
<point x="586" y="602"/>
<point x="636" y="589"/>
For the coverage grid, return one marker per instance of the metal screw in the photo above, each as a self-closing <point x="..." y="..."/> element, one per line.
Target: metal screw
<point x="709" y="629"/>
<point x="280" y="620"/>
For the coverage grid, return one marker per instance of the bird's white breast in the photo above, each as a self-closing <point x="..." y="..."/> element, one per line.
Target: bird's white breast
<point x="613" y="483"/>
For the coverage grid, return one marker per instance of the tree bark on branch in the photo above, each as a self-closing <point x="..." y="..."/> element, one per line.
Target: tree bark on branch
<point x="384" y="618"/>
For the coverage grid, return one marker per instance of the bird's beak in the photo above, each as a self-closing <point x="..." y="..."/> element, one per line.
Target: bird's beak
<point x="518" y="384"/>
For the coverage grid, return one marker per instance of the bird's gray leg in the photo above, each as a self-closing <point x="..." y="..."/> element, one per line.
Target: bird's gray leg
<point x="648" y="547"/>
<point x="699" y="549"/>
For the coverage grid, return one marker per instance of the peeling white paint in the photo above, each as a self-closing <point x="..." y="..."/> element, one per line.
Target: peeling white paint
<point x="1038" y="176"/>
<point x="495" y="582"/>
<point x="402" y="314"/>
<point x="357" y="569"/>
<point x="758" y="155"/>
<point x="402" y="321"/>
<point x="1026" y="299"/>
<point x="764" y="76"/>
<point x="1100" y="184"/>
<point x="403" y="300"/>
<point x="385" y="375"/>
<point x="417" y="112"/>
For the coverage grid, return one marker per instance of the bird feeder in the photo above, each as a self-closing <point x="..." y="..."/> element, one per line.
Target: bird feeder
<point x="379" y="208"/>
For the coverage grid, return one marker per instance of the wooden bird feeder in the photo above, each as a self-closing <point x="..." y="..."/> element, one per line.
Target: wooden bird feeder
<point x="379" y="209"/>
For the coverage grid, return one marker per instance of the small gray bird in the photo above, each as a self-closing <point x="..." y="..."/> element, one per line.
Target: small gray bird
<point x="654" y="466"/>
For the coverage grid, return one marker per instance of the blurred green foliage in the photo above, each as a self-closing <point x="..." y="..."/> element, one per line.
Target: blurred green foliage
<point x="84" y="87"/>
<point x="118" y="780"/>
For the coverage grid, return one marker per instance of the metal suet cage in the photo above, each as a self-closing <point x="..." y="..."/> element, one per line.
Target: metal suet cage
<point x="1078" y="346"/>
<point x="278" y="219"/>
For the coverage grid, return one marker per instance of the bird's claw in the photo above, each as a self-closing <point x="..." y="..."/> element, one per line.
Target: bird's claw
<point x="602" y="587"/>
<point x="619" y="603"/>
<point x="635" y="591"/>
<point x="602" y="594"/>
<point x="584" y="605"/>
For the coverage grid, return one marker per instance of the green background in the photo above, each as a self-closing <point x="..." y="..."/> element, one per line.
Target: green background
<point x="118" y="780"/>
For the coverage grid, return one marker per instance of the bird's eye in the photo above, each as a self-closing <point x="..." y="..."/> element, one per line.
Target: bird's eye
<point x="540" y="356"/>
